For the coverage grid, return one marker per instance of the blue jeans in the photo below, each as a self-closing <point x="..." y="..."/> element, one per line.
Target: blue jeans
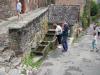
<point x="94" y="44"/>
<point x="64" y="43"/>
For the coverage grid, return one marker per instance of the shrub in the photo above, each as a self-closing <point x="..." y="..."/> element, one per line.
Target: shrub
<point x="94" y="8"/>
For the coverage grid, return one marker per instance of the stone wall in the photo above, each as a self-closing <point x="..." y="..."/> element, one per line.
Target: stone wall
<point x="4" y="9"/>
<point x="27" y="36"/>
<point x="58" y="13"/>
<point x="81" y="3"/>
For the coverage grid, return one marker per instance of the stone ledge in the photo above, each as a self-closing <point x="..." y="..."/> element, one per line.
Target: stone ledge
<point x="13" y="23"/>
<point x="31" y="29"/>
<point x="29" y="18"/>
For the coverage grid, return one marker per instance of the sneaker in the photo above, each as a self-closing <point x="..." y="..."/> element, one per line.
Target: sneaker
<point x="64" y="50"/>
<point x="59" y="46"/>
<point x="91" y="50"/>
<point x="97" y="50"/>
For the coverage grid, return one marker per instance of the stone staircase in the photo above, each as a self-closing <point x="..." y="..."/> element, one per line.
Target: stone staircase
<point x="48" y="43"/>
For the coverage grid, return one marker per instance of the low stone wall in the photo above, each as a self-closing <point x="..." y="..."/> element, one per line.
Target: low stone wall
<point x="23" y="37"/>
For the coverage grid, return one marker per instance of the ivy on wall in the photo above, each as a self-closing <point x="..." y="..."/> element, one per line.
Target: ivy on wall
<point x="95" y="11"/>
<point x="85" y="18"/>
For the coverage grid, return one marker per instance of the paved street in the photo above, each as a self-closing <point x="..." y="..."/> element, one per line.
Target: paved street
<point x="79" y="60"/>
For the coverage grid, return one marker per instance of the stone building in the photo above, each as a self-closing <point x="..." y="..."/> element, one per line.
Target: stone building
<point x="8" y="7"/>
<point x="71" y="2"/>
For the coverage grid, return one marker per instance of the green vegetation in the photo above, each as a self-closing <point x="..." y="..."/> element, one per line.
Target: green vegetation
<point x="95" y="11"/>
<point x="28" y="61"/>
<point x="94" y="8"/>
<point x="91" y="13"/>
<point x="85" y="18"/>
<point x="51" y="2"/>
<point x="98" y="23"/>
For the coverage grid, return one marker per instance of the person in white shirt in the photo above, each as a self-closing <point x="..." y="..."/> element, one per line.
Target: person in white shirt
<point x="18" y="9"/>
<point x="58" y="31"/>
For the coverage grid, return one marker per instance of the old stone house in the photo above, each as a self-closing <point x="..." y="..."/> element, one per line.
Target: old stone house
<point x="81" y="3"/>
<point x="8" y="7"/>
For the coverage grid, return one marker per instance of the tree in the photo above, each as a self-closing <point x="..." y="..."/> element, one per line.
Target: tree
<point x="94" y="9"/>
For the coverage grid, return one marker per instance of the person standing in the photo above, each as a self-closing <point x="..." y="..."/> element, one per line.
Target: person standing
<point x="98" y="31"/>
<point x="58" y="31"/>
<point x="94" y="42"/>
<point x="18" y="9"/>
<point x="65" y="36"/>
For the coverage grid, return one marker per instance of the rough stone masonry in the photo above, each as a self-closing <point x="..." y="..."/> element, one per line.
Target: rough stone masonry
<point x="28" y="32"/>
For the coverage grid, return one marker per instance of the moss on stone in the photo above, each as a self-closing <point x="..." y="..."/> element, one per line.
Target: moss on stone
<point x="28" y="61"/>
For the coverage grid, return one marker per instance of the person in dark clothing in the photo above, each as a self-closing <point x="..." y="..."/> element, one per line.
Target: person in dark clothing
<point x="65" y="36"/>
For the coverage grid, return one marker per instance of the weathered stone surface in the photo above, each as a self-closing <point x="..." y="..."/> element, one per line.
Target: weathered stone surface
<point x="8" y="55"/>
<point x="2" y="71"/>
<point x="81" y="3"/>
<point x="58" y="13"/>
<point x="30" y="32"/>
<point x="14" y="72"/>
<point x="16" y="61"/>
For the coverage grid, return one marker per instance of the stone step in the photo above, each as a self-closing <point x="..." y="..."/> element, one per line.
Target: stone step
<point x="37" y="58"/>
<point x="51" y="29"/>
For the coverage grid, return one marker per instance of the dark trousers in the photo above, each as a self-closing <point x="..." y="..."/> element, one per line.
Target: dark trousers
<point x="64" y="43"/>
<point x="98" y="33"/>
<point x="59" y="37"/>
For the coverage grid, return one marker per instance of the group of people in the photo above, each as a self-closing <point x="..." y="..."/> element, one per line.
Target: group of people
<point x="96" y="37"/>
<point x="62" y="35"/>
